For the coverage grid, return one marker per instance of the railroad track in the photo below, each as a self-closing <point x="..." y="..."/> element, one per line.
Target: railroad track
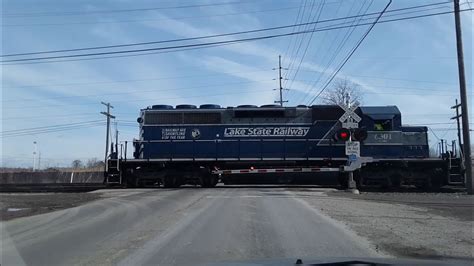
<point x="51" y="187"/>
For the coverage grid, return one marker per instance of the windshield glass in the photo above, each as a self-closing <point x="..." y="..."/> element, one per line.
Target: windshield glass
<point x="215" y="131"/>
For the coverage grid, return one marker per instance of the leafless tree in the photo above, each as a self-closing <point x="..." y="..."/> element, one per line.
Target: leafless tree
<point x="76" y="164"/>
<point x="93" y="163"/>
<point x="343" y="91"/>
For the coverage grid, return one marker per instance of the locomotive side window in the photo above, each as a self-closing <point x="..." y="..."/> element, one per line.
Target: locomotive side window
<point x="383" y="125"/>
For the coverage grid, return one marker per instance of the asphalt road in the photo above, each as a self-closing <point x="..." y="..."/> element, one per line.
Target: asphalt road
<point x="179" y="227"/>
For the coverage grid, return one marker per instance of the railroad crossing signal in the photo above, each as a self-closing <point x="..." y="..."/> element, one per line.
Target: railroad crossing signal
<point x="350" y="119"/>
<point x="345" y="134"/>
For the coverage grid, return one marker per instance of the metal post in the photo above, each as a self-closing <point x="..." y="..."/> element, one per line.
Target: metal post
<point x="350" y="180"/>
<point x="464" y="101"/>
<point x="116" y="141"/>
<point x="453" y="148"/>
<point x="126" y="145"/>
<point x="442" y="148"/>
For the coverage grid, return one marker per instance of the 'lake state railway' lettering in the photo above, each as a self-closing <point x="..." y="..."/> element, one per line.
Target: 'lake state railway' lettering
<point x="266" y="131"/>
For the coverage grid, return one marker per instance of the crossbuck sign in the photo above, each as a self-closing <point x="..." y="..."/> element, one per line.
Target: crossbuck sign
<point x="350" y="119"/>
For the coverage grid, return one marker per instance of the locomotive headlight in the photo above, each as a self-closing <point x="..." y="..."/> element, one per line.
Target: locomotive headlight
<point x="140" y="120"/>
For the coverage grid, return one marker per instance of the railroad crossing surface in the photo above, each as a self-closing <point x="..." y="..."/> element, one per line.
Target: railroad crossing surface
<point x="193" y="225"/>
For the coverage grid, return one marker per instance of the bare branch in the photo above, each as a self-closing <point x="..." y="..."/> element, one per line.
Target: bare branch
<point x="342" y="91"/>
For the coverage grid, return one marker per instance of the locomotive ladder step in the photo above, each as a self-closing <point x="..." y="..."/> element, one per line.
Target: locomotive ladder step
<point x="456" y="179"/>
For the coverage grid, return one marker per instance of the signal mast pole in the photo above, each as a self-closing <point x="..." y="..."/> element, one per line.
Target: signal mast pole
<point x="464" y="102"/>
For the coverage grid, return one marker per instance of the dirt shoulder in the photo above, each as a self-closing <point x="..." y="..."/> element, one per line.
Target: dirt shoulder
<point x="454" y="204"/>
<point x="15" y="205"/>
<point x="411" y="225"/>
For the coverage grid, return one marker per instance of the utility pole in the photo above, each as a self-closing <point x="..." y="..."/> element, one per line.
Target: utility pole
<point x="35" y="151"/>
<point x="280" y="78"/>
<point x="458" y="115"/>
<point x="464" y="102"/>
<point x="107" y="133"/>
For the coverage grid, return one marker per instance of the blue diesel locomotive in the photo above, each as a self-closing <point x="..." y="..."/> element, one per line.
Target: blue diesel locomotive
<point x="186" y="144"/>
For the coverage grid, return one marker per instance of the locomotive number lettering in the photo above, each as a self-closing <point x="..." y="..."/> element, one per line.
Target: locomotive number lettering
<point x="383" y="137"/>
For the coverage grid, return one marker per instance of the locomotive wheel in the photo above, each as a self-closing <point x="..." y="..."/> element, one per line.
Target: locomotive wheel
<point x="358" y="179"/>
<point x="343" y="181"/>
<point x="208" y="181"/>
<point x="436" y="179"/>
<point x="170" y="182"/>
<point x="396" y="180"/>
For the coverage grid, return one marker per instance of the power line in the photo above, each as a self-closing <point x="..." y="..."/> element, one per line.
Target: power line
<point x="81" y="13"/>
<point x="122" y="81"/>
<point x="198" y="46"/>
<point x="301" y="7"/>
<point x="299" y="39"/>
<point x="126" y="55"/>
<point x="339" y="48"/>
<point x="216" y="35"/>
<point x="203" y="45"/>
<point x="321" y="8"/>
<point x="49" y="129"/>
<point x="46" y="127"/>
<point x="48" y="116"/>
<point x="141" y="100"/>
<point x="322" y="38"/>
<point x="152" y="90"/>
<point x="345" y="38"/>
<point x="410" y="80"/>
<point x="352" y="52"/>
<point x="226" y="84"/>
<point x="146" y="20"/>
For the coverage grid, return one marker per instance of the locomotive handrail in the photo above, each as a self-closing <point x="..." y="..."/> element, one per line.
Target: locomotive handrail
<point x="126" y="145"/>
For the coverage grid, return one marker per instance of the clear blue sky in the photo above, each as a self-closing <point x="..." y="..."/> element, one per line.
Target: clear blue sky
<point x="410" y="63"/>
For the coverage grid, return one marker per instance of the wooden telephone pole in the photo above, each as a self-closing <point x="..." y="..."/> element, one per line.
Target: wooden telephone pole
<point x="464" y="101"/>
<point x="280" y="78"/>
<point x="107" y="133"/>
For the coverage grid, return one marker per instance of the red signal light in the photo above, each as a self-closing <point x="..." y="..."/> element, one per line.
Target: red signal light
<point x="343" y="134"/>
